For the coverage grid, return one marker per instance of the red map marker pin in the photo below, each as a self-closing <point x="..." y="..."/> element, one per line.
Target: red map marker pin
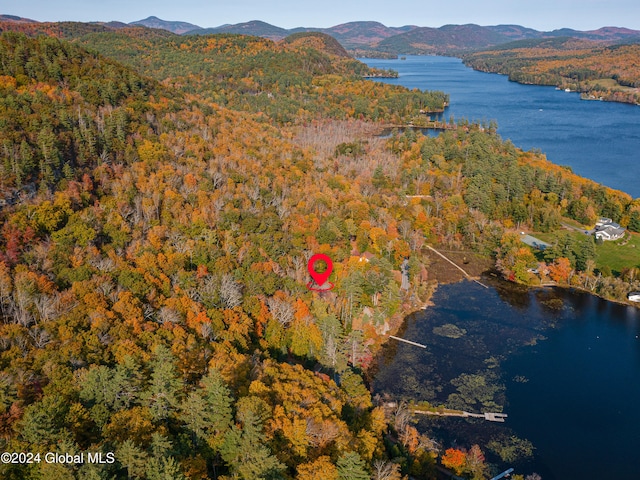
<point x="320" y="278"/>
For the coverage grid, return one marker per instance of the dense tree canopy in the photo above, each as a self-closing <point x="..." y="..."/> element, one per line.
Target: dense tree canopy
<point x="154" y="241"/>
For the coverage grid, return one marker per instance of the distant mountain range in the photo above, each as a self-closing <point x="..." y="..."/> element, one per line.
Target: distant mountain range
<point x="13" y="18"/>
<point x="358" y="34"/>
<point x="350" y="35"/>
<point x="444" y="39"/>
<point x="461" y="38"/>
<point x="175" y="27"/>
<point x="256" y="28"/>
<point x="375" y="37"/>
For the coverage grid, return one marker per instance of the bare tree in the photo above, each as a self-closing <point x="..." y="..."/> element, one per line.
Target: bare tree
<point x="401" y="417"/>
<point x="253" y="192"/>
<point x="47" y="307"/>
<point x="168" y="315"/>
<point x="404" y="228"/>
<point x="22" y="302"/>
<point x="428" y="444"/>
<point x="230" y="292"/>
<point x="218" y="204"/>
<point x="206" y="330"/>
<point x="321" y="434"/>
<point x="22" y="342"/>
<point x="331" y="352"/>
<point x="6" y="287"/>
<point x="283" y="211"/>
<point x="416" y="241"/>
<point x="105" y="338"/>
<point x="281" y="310"/>
<point x="207" y="288"/>
<point x="420" y="179"/>
<point x="40" y="253"/>
<point x="383" y="470"/>
<point x="104" y="264"/>
<point x="40" y="337"/>
<point x="217" y="179"/>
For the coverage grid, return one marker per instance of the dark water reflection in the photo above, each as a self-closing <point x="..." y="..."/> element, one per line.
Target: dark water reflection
<point x="565" y="366"/>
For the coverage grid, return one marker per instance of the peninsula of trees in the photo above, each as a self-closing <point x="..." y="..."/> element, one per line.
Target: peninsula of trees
<point x="599" y="72"/>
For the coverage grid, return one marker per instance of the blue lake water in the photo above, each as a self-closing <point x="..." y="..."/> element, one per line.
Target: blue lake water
<point x="598" y="140"/>
<point x="569" y="362"/>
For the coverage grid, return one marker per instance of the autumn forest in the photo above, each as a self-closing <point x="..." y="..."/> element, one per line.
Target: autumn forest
<point x="599" y="71"/>
<point x="160" y="196"/>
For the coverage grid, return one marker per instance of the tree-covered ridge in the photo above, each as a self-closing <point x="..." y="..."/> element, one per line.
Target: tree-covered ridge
<point x="599" y="71"/>
<point x="289" y="81"/>
<point x="499" y="190"/>
<point x="172" y="26"/>
<point x="504" y="183"/>
<point x="54" y="29"/>
<point x="65" y="110"/>
<point x="318" y="41"/>
<point x="448" y="39"/>
<point x="153" y="301"/>
<point x="70" y="30"/>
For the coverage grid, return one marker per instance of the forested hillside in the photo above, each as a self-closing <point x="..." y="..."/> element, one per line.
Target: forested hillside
<point x="158" y="215"/>
<point x="64" y="110"/>
<point x="600" y="72"/>
<point x="448" y="39"/>
<point x="153" y="294"/>
<point x="289" y="81"/>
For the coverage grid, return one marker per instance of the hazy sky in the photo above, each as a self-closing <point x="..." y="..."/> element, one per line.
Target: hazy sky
<point x="538" y="14"/>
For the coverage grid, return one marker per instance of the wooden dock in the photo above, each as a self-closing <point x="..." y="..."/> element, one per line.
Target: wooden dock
<point x="503" y="474"/>
<point x="408" y="341"/>
<point x="489" y="416"/>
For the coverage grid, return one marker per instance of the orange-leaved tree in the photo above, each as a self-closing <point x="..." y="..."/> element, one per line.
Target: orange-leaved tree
<point x="454" y="459"/>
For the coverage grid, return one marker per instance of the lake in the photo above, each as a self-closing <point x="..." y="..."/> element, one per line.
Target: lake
<point x="598" y="140"/>
<point x="564" y="366"/>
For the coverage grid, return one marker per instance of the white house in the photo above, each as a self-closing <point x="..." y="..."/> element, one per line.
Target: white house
<point x="607" y="229"/>
<point x="610" y="233"/>
<point x="633" y="296"/>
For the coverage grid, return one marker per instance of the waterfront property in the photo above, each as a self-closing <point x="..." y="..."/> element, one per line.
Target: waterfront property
<point x="633" y="296"/>
<point x="607" y="229"/>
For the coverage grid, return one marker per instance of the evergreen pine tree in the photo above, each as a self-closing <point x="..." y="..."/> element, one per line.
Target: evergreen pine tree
<point x="352" y="467"/>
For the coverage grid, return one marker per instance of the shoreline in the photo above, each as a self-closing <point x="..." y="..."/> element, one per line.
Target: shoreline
<point x="583" y="290"/>
<point x="387" y="353"/>
<point x="584" y="94"/>
<point x="398" y="322"/>
<point x="443" y="274"/>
